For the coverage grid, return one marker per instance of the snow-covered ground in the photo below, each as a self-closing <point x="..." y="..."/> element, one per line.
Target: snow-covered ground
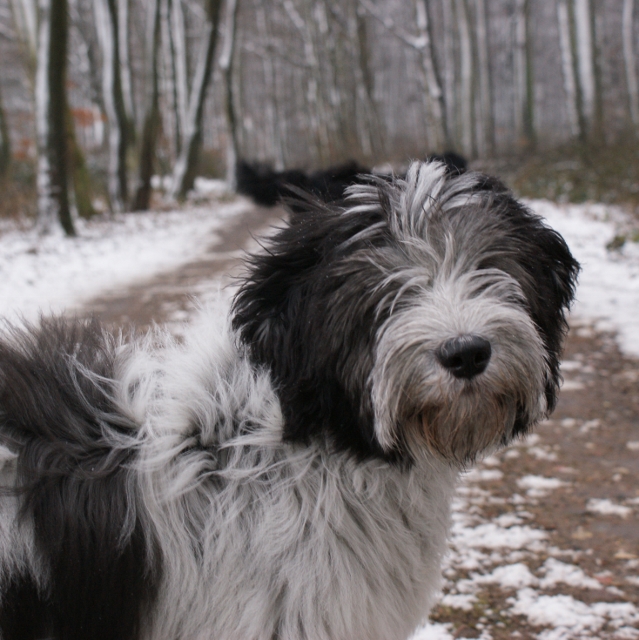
<point x="55" y="273"/>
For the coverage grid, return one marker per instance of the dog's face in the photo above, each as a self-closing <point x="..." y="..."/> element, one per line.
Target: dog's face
<point x="427" y="316"/>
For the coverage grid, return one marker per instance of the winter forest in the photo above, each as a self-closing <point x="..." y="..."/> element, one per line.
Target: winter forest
<point x="97" y="96"/>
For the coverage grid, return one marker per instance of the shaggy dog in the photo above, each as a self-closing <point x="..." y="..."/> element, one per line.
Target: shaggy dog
<point x="286" y="475"/>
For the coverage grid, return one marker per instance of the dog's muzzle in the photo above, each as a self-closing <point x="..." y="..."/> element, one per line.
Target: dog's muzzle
<point x="465" y="356"/>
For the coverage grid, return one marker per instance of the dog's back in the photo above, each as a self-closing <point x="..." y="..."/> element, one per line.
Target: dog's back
<point x="72" y="552"/>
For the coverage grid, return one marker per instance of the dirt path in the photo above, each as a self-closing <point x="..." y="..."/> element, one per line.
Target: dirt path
<point x="171" y="296"/>
<point x="582" y="470"/>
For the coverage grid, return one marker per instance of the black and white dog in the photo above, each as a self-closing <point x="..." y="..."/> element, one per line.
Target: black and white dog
<point x="286" y="475"/>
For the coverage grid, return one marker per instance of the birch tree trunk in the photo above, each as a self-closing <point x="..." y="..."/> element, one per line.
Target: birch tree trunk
<point x="628" y="39"/>
<point x="185" y="167"/>
<point x="25" y="18"/>
<point x="125" y="65"/>
<point x="524" y="88"/>
<point x="585" y="56"/>
<point x="51" y="113"/>
<point x="486" y="117"/>
<point x="449" y="70"/>
<point x="150" y="126"/>
<point x="371" y="130"/>
<point x="440" y="134"/>
<point x="317" y="112"/>
<point x="174" y="37"/>
<point x="276" y="125"/>
<point x="226" y="65"/>
<point x="5" y="142"/>
<point x="466" y="94"/>
<point x="106" y="22"/>
<point x="568" y="67"/>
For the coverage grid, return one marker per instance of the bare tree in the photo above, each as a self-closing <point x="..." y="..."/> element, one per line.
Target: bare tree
<point x="107" y="27"/>
<point x="123" y="7"/>
<point x="628" y="38"/>
<point x="184" y="171"/>
<point x="275" y="122"/>
<point x="226" y="65"/>
<point x="466" y="78"/>
<point x="51" y="115"/>
<point x="150" y="126"/>
<point x="486" y="119"/>
<point x="5" y="142"/>
<point x="523" y="71"/>
<point x="566" y="40"/>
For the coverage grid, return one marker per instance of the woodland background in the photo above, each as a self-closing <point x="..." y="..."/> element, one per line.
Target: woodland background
<point x="97" y="96"/>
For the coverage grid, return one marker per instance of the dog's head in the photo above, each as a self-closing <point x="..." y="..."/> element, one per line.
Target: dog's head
<point x="426" y="316"/>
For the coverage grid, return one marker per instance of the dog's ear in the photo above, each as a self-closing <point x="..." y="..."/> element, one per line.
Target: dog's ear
<point x="299" y="314"/>
<point x="546" y="271"/>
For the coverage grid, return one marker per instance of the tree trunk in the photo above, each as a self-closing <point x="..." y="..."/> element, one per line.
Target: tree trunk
<point x="186" y="165"/>
<point x="568" y="66"/>
<point x="524" y="88"/>
<point x="51" y="114"/>
<point x="125" y="66"/>
<point x="5" y="142"/>
<point x="629" y="61"/>
<point x="25" y="18"/>
<point x="585" y="56"/>
<point x="366" y="82"/>
<point x="106" y="21"/>
<point x="226" y="65"/>
<point x="276" y="124"/>
<point x="178" y="34"/>
<point x="467" y="94"/>
<point x="485" y="102"/>
<point x="150" y="127"/>
<point x="80" y="177"/>
<point x="437" y="109"/>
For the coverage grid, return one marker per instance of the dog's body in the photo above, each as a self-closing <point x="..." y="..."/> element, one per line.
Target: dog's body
<point x="287" y="477"/>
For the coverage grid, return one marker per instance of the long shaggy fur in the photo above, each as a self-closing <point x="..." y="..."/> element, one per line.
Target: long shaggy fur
<point x="287" y="473"/>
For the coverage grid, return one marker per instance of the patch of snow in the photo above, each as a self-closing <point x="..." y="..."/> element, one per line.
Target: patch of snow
<point x="511" y="576"/>
<point x="462" y="601"/>
<point x="542" y="453"/>
<point x="569" y="617"/>
<point x="556" y="572"/>
<point x="539" y="486"/>
<point x="571" y="365"/>
<point x="572" y="385"/>
<point x="484" y="475"/>
<point x="434" y="631"/>
<point x="608" y="291"/>
<point x="633" y="445"/>
<point x="53" y="273"/>
<point x="608" y="508"/>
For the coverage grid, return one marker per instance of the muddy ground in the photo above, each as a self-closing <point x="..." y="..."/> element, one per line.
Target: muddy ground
<point x="585" y="444"/>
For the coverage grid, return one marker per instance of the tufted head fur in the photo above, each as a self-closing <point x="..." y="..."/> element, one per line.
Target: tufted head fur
<point x="350" y="308"/>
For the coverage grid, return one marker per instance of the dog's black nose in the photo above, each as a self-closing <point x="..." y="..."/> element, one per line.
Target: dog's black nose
<point x="465" y="356"/>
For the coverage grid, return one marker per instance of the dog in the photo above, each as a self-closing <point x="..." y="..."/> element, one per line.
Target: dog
<point x="286" y="473"/>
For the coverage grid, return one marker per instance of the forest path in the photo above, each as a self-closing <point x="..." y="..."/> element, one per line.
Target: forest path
<point x="172" y="297"/>
<point x="546" y="536"/>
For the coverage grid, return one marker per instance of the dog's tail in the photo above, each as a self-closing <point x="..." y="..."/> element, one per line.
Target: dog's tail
<point x="69" y="453"/>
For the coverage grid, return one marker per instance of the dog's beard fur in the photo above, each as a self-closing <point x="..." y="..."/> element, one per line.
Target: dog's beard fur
<point x="418" y="400"/>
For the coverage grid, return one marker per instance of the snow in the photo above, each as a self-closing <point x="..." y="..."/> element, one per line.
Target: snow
<point x="607" y="508"/>
<point x="608" y="292"/>
<point x="53" y="273"/>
